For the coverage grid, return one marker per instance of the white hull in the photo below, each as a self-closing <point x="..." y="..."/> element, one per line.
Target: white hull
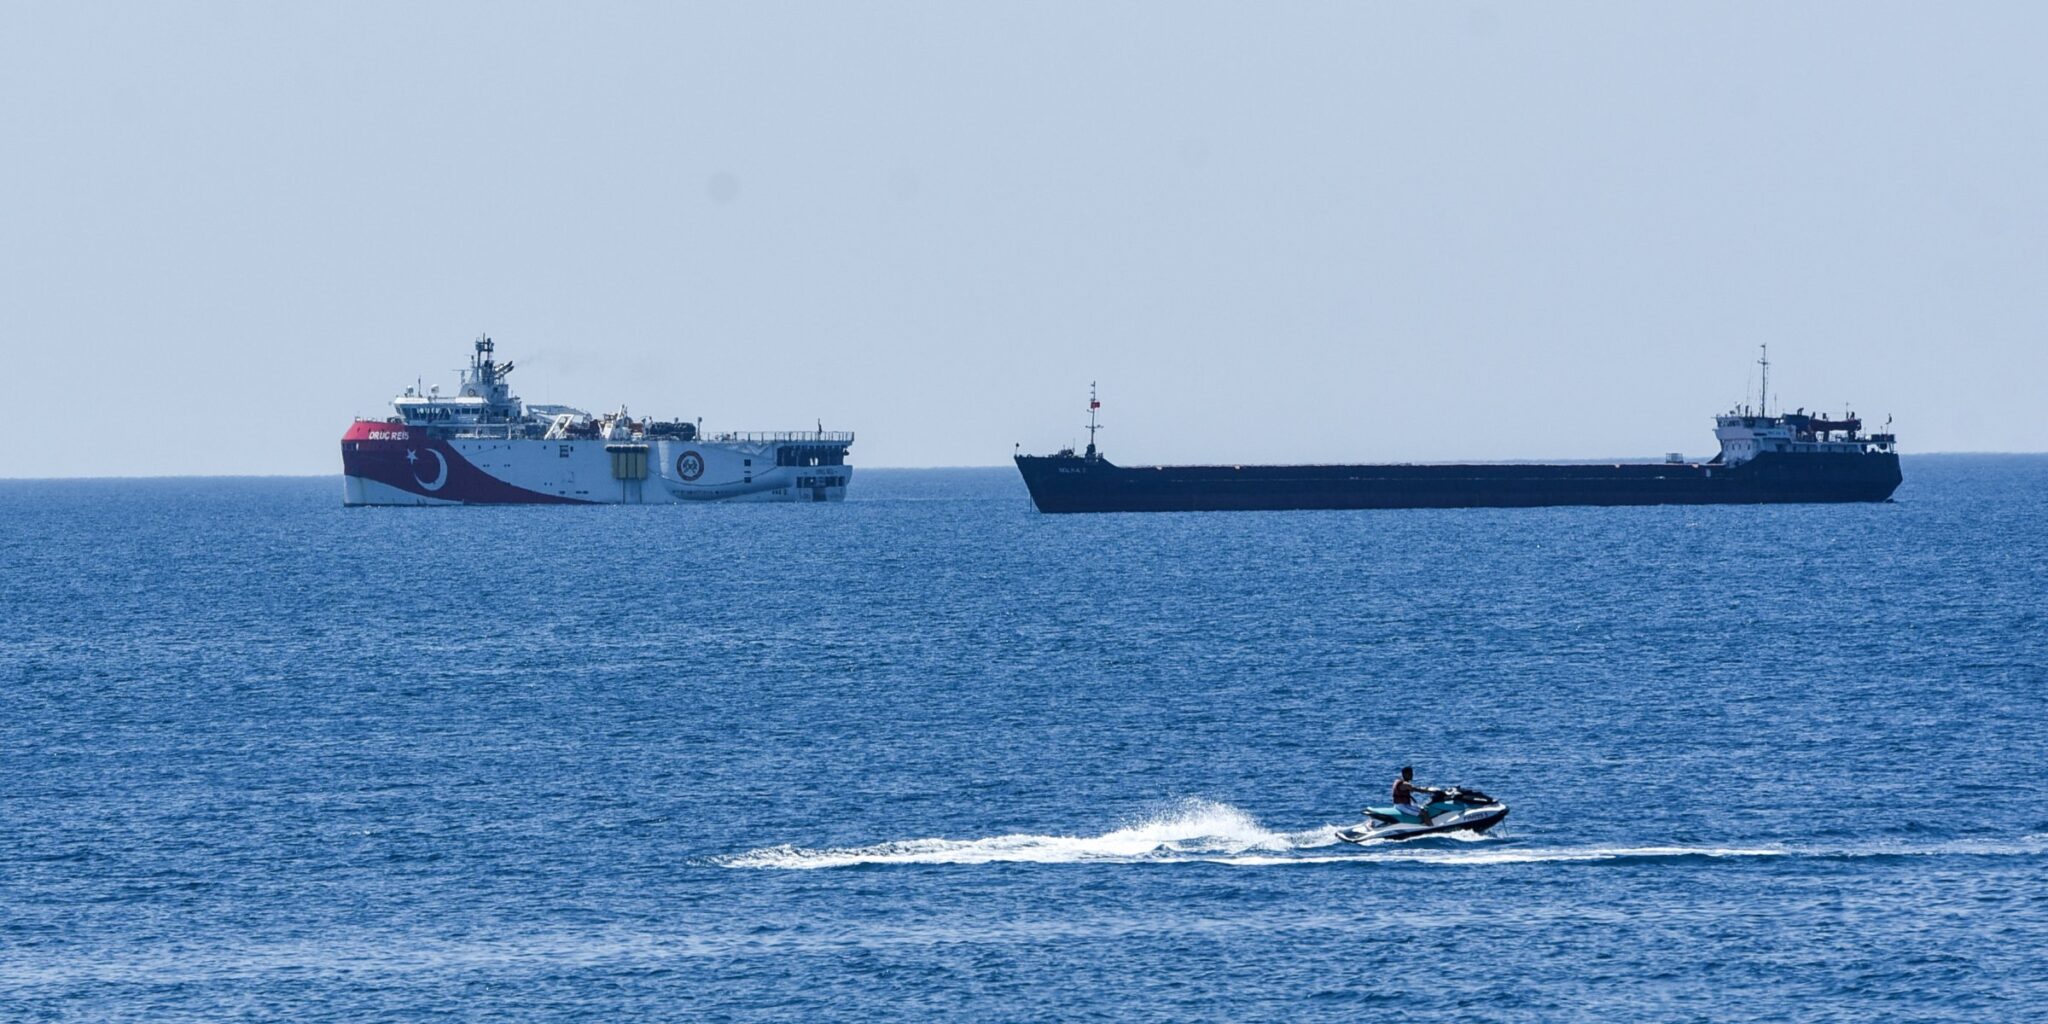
<point x="357" y="490"/>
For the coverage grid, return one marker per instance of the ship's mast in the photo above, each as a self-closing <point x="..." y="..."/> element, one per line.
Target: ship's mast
<point x="1763" y="398"/>
<point x="1092" y="425"/>
<point x="480" y="364"/>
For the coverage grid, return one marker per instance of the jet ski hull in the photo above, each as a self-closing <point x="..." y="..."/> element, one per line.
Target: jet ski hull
<point x="1478" y="819"/>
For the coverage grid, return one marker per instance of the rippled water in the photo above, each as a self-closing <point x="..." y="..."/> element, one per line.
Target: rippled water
<point x="930" y="754"/>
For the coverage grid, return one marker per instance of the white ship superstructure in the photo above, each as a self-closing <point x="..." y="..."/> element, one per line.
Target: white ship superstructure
<point x="482" y="445"/>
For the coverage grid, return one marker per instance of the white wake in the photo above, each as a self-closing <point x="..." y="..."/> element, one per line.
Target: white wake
<point x="1190" y="830"/>
<point x="1202" y="831"/>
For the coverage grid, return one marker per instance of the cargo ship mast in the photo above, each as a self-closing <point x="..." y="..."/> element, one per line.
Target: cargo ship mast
<point x="1093" y="405"/>
<point x="1763" y="398"/>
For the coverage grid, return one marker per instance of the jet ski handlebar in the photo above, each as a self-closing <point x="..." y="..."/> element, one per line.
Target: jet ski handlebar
<point x="1456" y="795"/>
<point x="1461" y="795"/>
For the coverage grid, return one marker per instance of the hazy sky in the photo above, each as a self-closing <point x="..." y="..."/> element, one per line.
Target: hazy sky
<point x="1290" y="232"/>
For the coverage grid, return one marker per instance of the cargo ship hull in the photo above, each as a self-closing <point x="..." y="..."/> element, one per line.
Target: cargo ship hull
<point x="1080" y="483"/>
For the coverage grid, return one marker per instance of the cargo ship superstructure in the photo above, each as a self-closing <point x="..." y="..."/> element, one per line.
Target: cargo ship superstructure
<point x="483" y="446"/>
<point x="1788" y="457"/>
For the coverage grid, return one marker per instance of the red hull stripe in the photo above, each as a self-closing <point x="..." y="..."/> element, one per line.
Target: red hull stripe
<point x="406" y="458"/>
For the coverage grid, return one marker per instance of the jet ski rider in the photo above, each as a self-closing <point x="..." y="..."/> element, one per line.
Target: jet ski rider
<point x="1404" y="795"/>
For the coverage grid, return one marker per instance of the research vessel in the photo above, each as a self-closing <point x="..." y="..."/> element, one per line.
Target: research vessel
<point x="482" y="445"/>
<point x="1764" y="458"/>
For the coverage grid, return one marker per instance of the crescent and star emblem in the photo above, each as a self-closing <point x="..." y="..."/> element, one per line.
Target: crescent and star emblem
<point x="440" y="477"/>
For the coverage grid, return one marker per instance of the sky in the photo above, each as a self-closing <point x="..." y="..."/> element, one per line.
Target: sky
<point x="1286" y="232"/>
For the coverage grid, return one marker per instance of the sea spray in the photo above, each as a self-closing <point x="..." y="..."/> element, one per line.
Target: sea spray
<point x="1188" y="829"/>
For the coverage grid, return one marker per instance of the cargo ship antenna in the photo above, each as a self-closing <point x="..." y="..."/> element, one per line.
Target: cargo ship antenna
<point x="1092" y="425"/>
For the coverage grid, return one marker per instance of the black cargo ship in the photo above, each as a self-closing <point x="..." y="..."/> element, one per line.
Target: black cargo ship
<point x="1784" y="458"/>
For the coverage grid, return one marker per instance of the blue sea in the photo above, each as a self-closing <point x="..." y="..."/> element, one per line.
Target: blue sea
<point x="930" y="755"/>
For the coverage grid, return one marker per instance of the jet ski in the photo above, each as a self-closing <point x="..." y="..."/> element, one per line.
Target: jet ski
<point x="1449" y="810"/>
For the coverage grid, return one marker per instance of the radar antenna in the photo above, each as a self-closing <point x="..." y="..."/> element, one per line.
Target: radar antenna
<point x="1093" y="405"/>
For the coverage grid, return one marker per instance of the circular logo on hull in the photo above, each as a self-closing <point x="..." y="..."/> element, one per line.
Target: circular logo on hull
<point x="690" y="466"/>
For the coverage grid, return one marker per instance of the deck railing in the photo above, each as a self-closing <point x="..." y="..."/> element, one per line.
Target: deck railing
<point x="512" y="431"/>
<point x="765" y="436"/>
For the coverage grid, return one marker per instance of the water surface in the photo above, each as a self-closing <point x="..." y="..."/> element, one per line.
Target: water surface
<point x="930" y="754"/>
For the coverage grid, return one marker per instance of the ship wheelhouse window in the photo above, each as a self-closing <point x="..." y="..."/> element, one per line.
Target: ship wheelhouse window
<point x="794" y="456"/>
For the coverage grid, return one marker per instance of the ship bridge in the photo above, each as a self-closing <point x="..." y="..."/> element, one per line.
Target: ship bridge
<point x="1745" y="434"/>
<point x="481" y="397"/>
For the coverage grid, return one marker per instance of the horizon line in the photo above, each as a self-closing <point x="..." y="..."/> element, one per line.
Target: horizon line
<point x="1506" y="462"/>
